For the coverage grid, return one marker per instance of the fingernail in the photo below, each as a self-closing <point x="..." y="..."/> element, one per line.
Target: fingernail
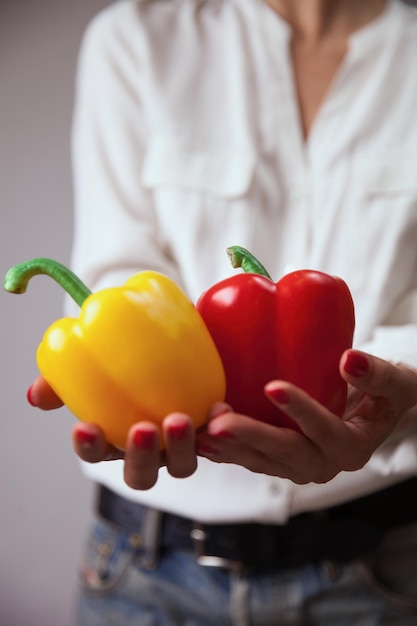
<point x="219" y="409"/>
<point x="223" y="434"/>
<point x="85" y="439"/>
<point x="29" y="396"/>
<point x="356" y="364"/>
<point x="278" y="395"/>
<point x="206" y="450"/>
<point x="144" y="439"/>
<point x="179" y="432"/>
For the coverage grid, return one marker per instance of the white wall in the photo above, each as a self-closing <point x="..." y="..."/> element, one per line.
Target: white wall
<point x="45" y="502"/>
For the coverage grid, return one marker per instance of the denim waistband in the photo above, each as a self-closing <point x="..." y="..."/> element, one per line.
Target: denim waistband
<point x="340" y="533"/>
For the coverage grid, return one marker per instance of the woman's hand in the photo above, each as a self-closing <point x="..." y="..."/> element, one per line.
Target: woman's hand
<point x="142" y="456"/>
<point x="381" y="394"/>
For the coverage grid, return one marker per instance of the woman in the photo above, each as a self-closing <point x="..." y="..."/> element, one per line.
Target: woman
<point x="288" y="128"/>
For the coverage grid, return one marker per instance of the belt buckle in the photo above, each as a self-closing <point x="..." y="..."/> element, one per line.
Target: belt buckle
<point x="199" y="536"/>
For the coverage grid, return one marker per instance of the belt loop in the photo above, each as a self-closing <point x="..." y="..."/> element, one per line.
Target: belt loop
<point x="239" y="605"/>
<point x="151" y="533"/>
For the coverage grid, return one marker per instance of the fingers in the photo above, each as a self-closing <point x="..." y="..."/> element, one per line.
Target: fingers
<point x="142" y="459"/>
<point x="90" y="444"/>
<point x="179" y="437"/>
<point x="260" y="447"/>
<point x="314" y="420"/>
<point x="42" y="396"/>
<point x="325" y="445"/>
<point x="381" y="394"/>
<point x="143" y="451"/>
<point x="219" y="408"/>
<point x="377" y="377"/>
<point x="142" y="454"/>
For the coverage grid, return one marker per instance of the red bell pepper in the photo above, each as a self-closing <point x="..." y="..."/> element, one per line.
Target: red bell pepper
<point x="294" y="330"/>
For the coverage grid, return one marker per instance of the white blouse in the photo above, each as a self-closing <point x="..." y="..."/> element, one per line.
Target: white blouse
<point x="187" y="139"/>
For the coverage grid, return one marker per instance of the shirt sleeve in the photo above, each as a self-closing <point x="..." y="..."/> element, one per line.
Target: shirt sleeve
<point x="396" y="340"/>
<point x="115" y="230"/>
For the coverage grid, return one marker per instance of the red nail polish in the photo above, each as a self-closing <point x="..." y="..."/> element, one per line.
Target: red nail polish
<point x="179" y="432"/>
<point x="224" y="434"/>
<point x="29" y="396"/>
<point x="278" y="395"/>
<point x="206" y="450"/>
<point x="85" y="439"/>
<point x="356" y="364"/>
<point x="144" y="439"/>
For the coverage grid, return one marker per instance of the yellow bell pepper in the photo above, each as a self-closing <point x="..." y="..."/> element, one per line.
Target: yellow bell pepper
<point x="136" y="352"/>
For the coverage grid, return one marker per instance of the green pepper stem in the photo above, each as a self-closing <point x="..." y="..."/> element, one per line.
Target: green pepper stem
<point x="17" y="278"/>
<point x="240" y="257"/>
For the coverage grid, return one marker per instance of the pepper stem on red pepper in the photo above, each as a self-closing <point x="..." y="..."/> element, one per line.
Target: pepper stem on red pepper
<point x="240" y="257"/>
<point x="18" y="277"/>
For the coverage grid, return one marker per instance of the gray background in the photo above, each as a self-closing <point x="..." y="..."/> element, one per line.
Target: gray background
<point x="45" y="503"/>
<point x="44" y="500"/>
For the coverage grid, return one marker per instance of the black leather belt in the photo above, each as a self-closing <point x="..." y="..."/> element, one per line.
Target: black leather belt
<point x="340" y="533"/>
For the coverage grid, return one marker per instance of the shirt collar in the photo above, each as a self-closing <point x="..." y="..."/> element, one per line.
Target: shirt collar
<point x="368" y="37"/>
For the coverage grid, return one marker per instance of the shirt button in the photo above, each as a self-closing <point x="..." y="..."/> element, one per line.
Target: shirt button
<point x="275" y="490"/>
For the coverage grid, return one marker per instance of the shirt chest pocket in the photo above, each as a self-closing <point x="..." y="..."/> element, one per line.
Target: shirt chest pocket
<point x="184" y="165"/>
<point x="385" y="220"/>
<point x="203" y="203"/>
<point x="388" y="206"/>
<point x="393" y="176"/>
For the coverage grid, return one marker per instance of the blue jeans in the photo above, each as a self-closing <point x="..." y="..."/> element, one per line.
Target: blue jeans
<point x="124" y="584"/>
